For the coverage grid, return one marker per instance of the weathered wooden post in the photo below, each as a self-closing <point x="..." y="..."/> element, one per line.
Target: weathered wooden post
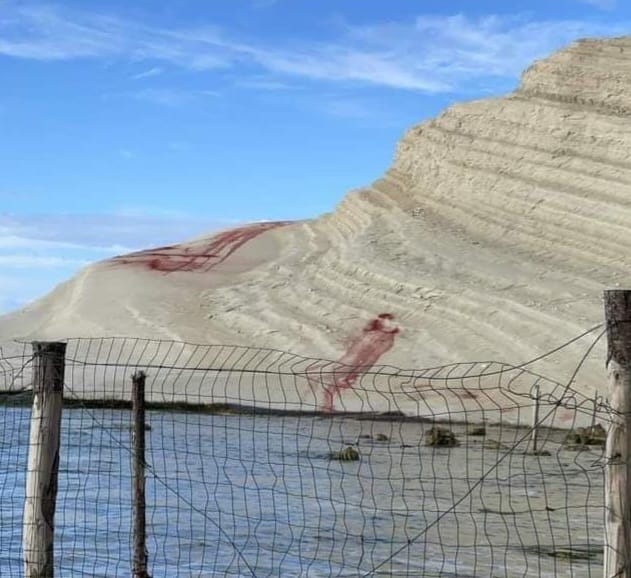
<point x="43" y="459"/>
<point x="594" y="412"/>
<point x="618" y="472"/>
<point x="138" y="411"/>
<point x="534" y="432"/>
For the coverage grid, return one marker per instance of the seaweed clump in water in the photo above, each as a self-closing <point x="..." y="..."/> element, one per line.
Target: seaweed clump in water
<point x="441" y="437"/>
<point x="348" y="454"/>
<point x="588" y="436"/>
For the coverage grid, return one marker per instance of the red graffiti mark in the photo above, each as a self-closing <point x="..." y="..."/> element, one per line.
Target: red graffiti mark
<point x="364" y="350"/>
<point x="201" y="257"/>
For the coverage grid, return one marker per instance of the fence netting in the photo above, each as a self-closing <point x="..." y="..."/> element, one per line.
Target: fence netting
<point x="264" y="463"/>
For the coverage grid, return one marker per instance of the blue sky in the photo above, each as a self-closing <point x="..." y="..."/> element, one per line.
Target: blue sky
<point x="131" y="124"/>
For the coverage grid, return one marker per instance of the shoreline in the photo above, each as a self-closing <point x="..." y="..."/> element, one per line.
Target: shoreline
<point x="24" y="398"/>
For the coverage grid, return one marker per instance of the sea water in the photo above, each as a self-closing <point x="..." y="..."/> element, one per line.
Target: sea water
<point x="259" y="495"/>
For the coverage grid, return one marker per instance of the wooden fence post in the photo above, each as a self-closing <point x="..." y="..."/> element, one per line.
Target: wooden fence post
<point x="43" y="459"/>
<point x="138" y="410"/>
<point x="534" y="432"/>
<point x="618" y="472"/>
<point x="595" y="411"/>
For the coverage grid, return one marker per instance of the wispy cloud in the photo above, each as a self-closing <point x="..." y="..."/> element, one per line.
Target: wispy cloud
<point x="429" y="53"/>
<point x="172" y="96"/>
<point x="458" y="49"/>
<point x="126" y="154"/>
<point x="151" y="72"/>
<point x="264" y="3"/>
<point x="347" y="63"/>
<point x="12" y="242"/>
<point x="178" y="145"/>
<point x="265" y="83"/>
<point x="43" y="250"/>
<point x="358" y="109"/>
<point x="100" y="233"/>
<point x="47" y="32"/>
<point x="602" y="4"/>
<point x="30" y="261"/>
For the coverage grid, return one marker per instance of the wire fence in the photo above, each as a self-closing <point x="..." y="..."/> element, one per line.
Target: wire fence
<point x="264" y="463"/>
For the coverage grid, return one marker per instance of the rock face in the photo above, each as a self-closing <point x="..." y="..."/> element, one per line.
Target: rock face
<point x="492" y="236"/>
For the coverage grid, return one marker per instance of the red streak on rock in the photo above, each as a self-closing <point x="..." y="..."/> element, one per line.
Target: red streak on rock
<point x="364" y="350"/>
<point x="200" y="258"/>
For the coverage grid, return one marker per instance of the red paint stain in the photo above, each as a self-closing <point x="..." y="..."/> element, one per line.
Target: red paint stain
<point x="199" y="258"/>
<point x="364" y="350"/>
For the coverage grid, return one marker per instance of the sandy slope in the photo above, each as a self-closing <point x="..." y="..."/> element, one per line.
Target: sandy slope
<point x="492" y="236"/>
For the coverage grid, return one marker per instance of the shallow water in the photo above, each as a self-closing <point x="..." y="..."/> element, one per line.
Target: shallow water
<point x="258" y="495"/>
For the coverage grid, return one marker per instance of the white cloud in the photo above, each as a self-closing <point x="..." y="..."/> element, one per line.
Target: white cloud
<point x="126" y="154"/>
<point x="456" y="49"/>
<point x="40" y="32"/>
<point x="46" y="32"/>
<point x="172" y="97"/>
<point x="10" y="241"/>
<point x="358" y="109"/>
<point x="179" y="145"/>
<point x="602" y="4"/>
<point x="429" y="54"/>
<point x="126" y="230"/>
<point x="264" y="83"/>
<point x="30" y="261"/>
<point x="264" y="3"/>
<point x="151" y="72"/>
<point x="346" y="108"/>
<point x="340" y="63"/>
